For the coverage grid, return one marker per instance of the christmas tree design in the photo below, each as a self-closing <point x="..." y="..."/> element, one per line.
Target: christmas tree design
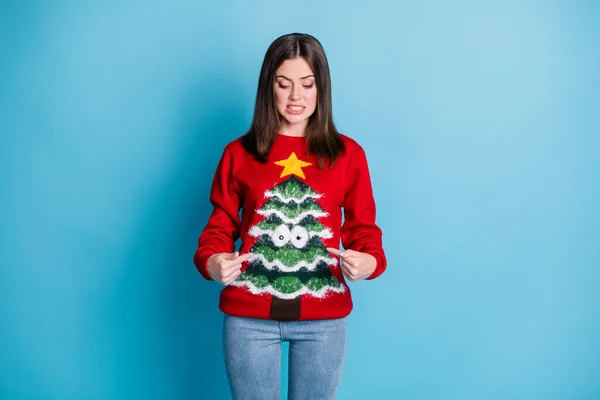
<point x="290" y="258"/>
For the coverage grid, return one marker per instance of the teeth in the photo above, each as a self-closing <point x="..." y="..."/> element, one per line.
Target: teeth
<point x="295" y="108"/>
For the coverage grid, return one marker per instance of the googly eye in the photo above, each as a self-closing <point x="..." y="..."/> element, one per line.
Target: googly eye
<point x="281" y="235"/>
<point x="299" y="236"/>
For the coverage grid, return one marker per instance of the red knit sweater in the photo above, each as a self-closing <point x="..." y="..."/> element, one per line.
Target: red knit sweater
<point x="291" y="211"/>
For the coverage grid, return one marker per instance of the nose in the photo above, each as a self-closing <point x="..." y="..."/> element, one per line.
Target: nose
<point x="295" y="92"/>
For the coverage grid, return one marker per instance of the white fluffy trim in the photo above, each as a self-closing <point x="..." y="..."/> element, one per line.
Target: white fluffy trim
<point x="304" y="290"/>
<point x="316" y="214"/>
<point x="256" y="232"/>
<point x="278" y="265"/>
<point x="269" y="194"/>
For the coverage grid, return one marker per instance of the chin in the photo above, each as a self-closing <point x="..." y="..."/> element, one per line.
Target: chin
<point x="293" y="121"/>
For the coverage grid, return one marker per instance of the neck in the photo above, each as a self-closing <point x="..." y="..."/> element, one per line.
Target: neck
<point x="293" y="130"/>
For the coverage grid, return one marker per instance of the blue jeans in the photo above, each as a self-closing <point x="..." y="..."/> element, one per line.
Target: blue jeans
<point x="252" y="350"/>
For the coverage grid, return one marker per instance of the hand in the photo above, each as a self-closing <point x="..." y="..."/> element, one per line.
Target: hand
<point x="226" y="267"/>
<point x="355" y="264"/>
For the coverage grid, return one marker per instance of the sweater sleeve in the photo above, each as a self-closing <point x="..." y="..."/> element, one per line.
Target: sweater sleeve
<point x="359" y="231"/>
<point x="223" y="226"/>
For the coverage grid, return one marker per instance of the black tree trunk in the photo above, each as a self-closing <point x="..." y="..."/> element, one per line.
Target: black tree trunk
<point x="285" y="310"/>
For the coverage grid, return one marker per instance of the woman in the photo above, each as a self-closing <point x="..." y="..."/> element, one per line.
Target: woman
<point x="291" y="174"/>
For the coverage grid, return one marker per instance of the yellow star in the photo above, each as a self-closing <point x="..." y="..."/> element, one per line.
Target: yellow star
<point x="292" y="165"/>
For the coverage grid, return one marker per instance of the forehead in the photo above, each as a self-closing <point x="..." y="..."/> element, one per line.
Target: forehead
<point x="294" y="68"/>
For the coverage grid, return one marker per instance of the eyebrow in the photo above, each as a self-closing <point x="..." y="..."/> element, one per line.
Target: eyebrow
<point x="285" y="77"/>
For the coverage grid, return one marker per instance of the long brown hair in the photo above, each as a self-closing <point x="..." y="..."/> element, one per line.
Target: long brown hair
<point x="322" y="137"/>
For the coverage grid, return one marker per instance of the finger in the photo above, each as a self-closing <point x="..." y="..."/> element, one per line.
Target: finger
<point x="353" y="272"/>
<point x="237" y="261"/>
<point x="347" y="273"/>
<point x="231" y="256"/>
<point x="232" y="277"/>
<point x="350" y="265"/>
<point x="337" y="252"/>
<point x="345" y="263"/>
<point x="349" y="253"/>
<point x="242" y="258"/>
<point x="334" y="250"/>
<point x="232" y="274"/>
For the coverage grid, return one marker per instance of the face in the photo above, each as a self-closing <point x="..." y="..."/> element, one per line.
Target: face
<point x="295" y="94"/>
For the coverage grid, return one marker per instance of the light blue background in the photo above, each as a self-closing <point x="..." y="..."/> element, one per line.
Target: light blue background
<point x="480" y="121"/>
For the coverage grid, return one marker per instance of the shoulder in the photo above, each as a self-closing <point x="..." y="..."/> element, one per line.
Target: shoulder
<point x="353" y="148"/>
<point x="234" y="146"/>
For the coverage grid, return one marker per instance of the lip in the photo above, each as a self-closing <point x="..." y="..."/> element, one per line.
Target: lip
<point x="294" y="112"/>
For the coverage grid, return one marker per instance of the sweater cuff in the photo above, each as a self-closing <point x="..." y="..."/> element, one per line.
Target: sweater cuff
<point x="379" y="267"/>
<point x="201" y="260"/>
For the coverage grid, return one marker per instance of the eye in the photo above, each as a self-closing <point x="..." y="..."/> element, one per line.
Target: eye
<point x="284" y="86"/>
<point x="281" y="235"/>
<point x="299" y="236"/>
<point x="308" y="86"/>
